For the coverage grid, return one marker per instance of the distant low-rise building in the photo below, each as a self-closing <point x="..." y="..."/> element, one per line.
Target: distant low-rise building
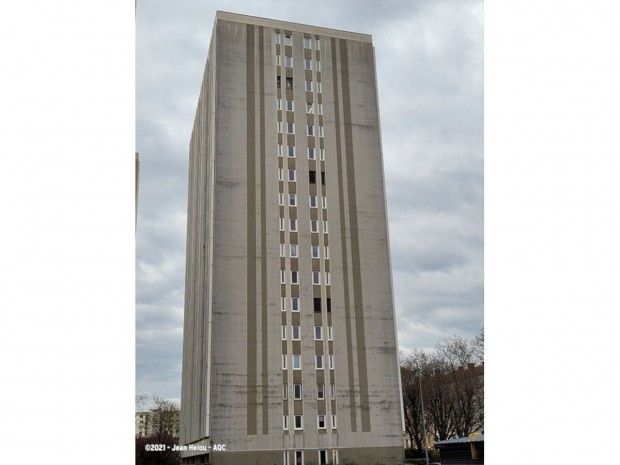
<point x="462" y="451"/>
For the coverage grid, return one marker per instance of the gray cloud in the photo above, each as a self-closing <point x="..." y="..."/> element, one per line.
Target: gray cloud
<point x="430" y="75"/>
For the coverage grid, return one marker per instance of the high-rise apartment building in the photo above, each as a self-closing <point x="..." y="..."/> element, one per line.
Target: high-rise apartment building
<point x="290" y="354"/>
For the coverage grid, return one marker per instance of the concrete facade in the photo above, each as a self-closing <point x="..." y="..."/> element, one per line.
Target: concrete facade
<point x="290" y="352"/>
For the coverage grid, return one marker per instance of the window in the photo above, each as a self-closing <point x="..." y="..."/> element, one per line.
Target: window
<point x="322" y="154"/>
<point x="293" y="250"/>
<point x="332" y="391"/>
<point x="296" y="335"/>
<point x="280" y="174"/>
<point x="280" y="152"/>
<point x="286" y="457"/>
<point x="325" y="226"/>
<point x="310" y="130"/>
<point x="307" y="64"/>
<point x="321" y="421"/>
<point x="319" y="362"/>
<point x="330" y="359"/>
<point x="307" y="42"/>
<point x="326" y="251"/>
<point x="278" y="63"/>
<point x="316" y="277"/>
<point x="318" y="87"/>
<point x="320" y="391"/>
<point x="293" y="223"/>
<point x="311" y="154"/>
<point x="281" y="220"/>
<point x="323" y="177"/>
<point x="308" y="86"/>
<point x="289" y="83"/>
<point x="315" y="251"/>
<point x="312" y="177"/>
<point x="281" y="199"/>
<point x="327" y="281"/>
<point x="299" y="457"/>
<point x="313" y="201"/>
<point x="321" y="133"/>
<point x="279" y="104"/>
<point x="290" y="128"/>
<point x="281" y="250"/>
<point x="288" y="61"/>
<point x="285" y="391"/>
<point x="317" y="304"/>
<point x="322" y="457"/>
<point x="309" y="108"/>
<point x="284" y="361"/>
<point x="329" y="304"/>
<point x="297" y="391"/>
<point x="334" y="425"/>
<point x="318" y="65"/>
<point x="290" y="105"/>
<point x="292" y="200"/>
<point x="277" y="38"/>
<point x="279" y="126"/>
<point x="288" y="40"/>
<point x="282" y="277"/>
<point x="324" y="201"/>
<point x="291" y="151"/>
<point x="284" y="422"/>
<point x="318" y="44"/>
<point x="330" y="333"/>
<point x="295" y="304"/>
<point x="320" y="108"/>
<point x="294" y="277"/>
<point x="314" y="226"/>
<point x="296" y="362"/>
<point x="291" y="175"/>
<point x="283" y="332"/>
<point x="283" y="303"/>
<point x="299" y="424"/>
<point x="318" y="333"/>
<point x="278" y="80"/>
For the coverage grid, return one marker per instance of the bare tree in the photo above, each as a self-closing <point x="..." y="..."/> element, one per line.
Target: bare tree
<point x="165" y="417"/>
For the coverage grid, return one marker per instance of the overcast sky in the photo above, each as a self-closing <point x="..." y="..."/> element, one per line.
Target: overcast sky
<point x="430" y="75"/>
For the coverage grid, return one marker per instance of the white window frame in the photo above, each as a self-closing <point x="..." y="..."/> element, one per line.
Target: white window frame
<point x="307" y="42"/>
<point x="334" y="421"/>
<point x="312" y="201"/>
<point x="284" y="332"/>
<point x="301" y="393"/>
<point x="325" y="226"/>
<point x="318" y="65"/>
<point x="296" y="357"/>
<point x="319" y="88"/>
<point x="285" y="422"/>
<point x="332" y="391"/>
<point x="294" y="251"/>
<point x="280" y="127"/>
<point x="293" y="225"/>
<point x="290" y="128"/>
<point x="280" y="150"/>
<point x="324" y="201"/>
<point x="278" y="39"/>
<point x="320" y="108"/>
<point x="318" y="333"/>
<point x="281" y="199"/>
<point x="280" y="174"/>
<point x="330" y="359"/>
<point x="327" y="280"/>
<point x="282" y="248"/>
<point x="279" y="104"/>
<point x="301" y="453"/>
<point x="321" y="131"/>
<point x="288" y="39"/>
<point x="281" y="220"/>
<point x="310" y="130"/>
<point x="286" y="458"/>
<point x="311" y="153"/>
<point x="279" y="63"/>
<point x="322" y="154"/>
<point x="318" y="44"/>
<point x="318" y="422"/>
<point x="294" y="277"/>
<point x="330" y="333"/>
<point x="284" y="361"/>
<point x="282" y="277"/>
<point x="309" y="108"/>
<point x="292" y="200"/>
<point x="288" y="61"/>
<point x="291" y="151"/>
<point x="316" y="277"/>
<point x="283" y="303"/>
<point x="318" y="360"/>
<point x="290" y="105"/>
<point x="308" y="86"/>
<point x="301" y="423"/>
<point x="285" y="391"/>
<point x="296" y="329"/>
<point x="314" y="251"/>
<point x="308" y="64"/>
<point x="293" y="300"/>
<point x="320" y="389"/>
<point x="292" y="174"/>
<point x="326" y="252"/>
<point x="314" y="226"/>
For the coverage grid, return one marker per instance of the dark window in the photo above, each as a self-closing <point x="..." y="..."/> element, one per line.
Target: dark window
<point x="317" y="304"/>
<point x="312" y="177"/>
<point x="279" y="80"/>
<point x="289" y="83"/>
<point x="323" y="177"/>
<point x="329" y="304"/>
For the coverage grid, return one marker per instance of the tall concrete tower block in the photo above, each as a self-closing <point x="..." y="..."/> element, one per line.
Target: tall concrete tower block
<point x="290" y="353"/>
